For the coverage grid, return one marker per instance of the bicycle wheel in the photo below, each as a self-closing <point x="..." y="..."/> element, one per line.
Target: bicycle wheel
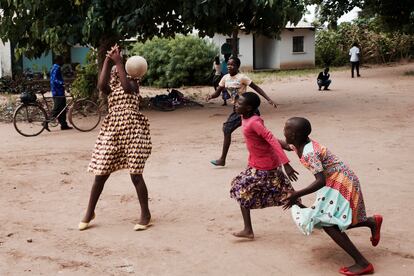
<point x="28" y="119"/>
<point x="84" y="115"/>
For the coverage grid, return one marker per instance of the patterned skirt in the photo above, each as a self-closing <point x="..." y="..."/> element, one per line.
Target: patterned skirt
<point x="256" y="189"/>
<point x="124" y="142"/>
<point x="339" y="203"/>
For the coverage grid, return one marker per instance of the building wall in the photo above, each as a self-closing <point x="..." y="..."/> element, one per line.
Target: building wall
<point x="266" y="54"/>
<point x="78" y="54"/>
<point x="45" y="62"/>
<point x="5" y="59"/>
<point x="245" y="49"/>
<point x="272" y="53"/>
<point x="290" y="60"/>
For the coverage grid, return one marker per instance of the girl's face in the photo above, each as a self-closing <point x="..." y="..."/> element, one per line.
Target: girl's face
<point x="241" y="107"/>
<point x="232" y="67"/>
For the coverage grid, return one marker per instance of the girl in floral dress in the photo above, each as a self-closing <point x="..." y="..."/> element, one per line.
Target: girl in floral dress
<point x="339" y="204"/>
<point x="124" y="141"/>
<point x="263" y="184"/>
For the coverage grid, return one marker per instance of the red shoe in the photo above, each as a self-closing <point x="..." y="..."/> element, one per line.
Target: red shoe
<point x="368" y="270"/>
<point x="377" y="236"/>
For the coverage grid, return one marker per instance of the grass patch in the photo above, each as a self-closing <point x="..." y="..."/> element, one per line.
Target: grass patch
<point x="260" y="77"/>
<point x="409" y="73"/>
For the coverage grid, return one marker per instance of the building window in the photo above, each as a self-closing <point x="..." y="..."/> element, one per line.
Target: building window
<point x="298" y="44"/>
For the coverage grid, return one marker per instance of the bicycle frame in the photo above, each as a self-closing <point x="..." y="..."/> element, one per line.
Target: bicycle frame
<point x="49" y="111"/>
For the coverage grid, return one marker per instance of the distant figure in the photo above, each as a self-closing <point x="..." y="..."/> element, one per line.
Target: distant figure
<point x="224" y="71"/>
<point x="323" y="79"/>
<point x="217" y="77"/>
<point x="57" y="86"/>
<point x="236" y="84"/>
<point x="354" y="53"/>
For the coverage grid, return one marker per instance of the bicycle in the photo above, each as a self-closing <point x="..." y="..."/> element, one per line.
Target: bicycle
<point x="31" y="118"/>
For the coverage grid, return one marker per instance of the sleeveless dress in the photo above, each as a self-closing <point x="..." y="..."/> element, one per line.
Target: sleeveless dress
<point x="340" y="202"/>
<point x="124" y="141"/>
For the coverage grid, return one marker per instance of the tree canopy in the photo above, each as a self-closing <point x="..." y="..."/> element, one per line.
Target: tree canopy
<point x="34" y="26"/>
<point x="393" y="15"/>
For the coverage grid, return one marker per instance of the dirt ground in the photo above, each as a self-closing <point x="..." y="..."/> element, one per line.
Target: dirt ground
<point x="366" y="121"/>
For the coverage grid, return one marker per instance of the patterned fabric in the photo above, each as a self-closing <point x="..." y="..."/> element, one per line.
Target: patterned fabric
<point x="340" y="202"/>
<point x="256" y="189"/>
<point x="235" y="85"/>
<point x="124" y="141"/>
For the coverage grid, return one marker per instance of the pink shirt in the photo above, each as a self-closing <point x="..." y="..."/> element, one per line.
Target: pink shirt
<point x="265" y="151"/>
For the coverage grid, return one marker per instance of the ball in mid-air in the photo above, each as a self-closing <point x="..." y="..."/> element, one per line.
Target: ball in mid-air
<point x="136" y="66"/>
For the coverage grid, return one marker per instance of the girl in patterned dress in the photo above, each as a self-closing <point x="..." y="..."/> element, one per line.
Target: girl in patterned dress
<point x="263" y="184"/>
<point x="124" y="141"/>
<point x="339" y="204"/>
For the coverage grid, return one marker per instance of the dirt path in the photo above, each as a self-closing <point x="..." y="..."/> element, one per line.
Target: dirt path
<point x="367" y="121"/>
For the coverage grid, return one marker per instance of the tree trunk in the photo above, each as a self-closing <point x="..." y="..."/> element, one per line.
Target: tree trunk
<point x="234" y="41"/>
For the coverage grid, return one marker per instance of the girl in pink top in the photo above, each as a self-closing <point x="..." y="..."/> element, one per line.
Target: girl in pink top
<point x="263" y="183"/>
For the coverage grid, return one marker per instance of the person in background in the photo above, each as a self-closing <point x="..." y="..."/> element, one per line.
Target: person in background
<point x="354" y="54"/>
<point x="323" y="79"/>
<point x="57" y="86"/>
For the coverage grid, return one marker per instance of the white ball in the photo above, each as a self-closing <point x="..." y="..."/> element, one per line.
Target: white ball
<point x="136" y="66"/>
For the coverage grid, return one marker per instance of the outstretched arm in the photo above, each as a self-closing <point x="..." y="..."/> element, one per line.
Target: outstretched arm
<point x="262" y="93"/>
<point x="317" y="184"/>
<point x="216" y="93"/>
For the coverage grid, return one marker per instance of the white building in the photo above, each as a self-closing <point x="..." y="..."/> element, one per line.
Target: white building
<point x="5" y="59"/>
<point x="295" y="49"/>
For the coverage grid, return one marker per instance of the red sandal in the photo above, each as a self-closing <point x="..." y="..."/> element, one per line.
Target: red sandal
<point x="377" y="236"/>
<point x="369" y="269"/>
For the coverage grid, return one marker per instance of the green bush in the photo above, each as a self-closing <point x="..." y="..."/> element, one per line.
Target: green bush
<point x="184" y="60"/>
<point x="332" y="46"/>
<point x="327" y="51"/>
<point x="84" y="85"/>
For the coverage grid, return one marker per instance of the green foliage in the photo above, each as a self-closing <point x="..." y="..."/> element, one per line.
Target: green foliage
<point x="258" y="16"/>
<point x="377" y="46"/>
<point x="331" y="10"/>
<point x="185" y="60"/>
<point x="391" y="15"/>
<point x="394" y="16"/>
<point x="41" y="25"/>
<point x="84" y="85"/>
<point x="329" y="51"/>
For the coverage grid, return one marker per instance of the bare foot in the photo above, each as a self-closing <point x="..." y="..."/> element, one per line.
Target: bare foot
<point x="246" y="234"/>
<point x="218" y="162"/>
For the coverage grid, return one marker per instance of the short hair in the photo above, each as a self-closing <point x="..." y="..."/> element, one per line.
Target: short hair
<point x="355" y="44"/>
<point x="326" y="68"/>
<point x="236" y="60"/>
<point x="251" y="99"/>
<point x="301" y="125"/>
<point x="58" y="58"/>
